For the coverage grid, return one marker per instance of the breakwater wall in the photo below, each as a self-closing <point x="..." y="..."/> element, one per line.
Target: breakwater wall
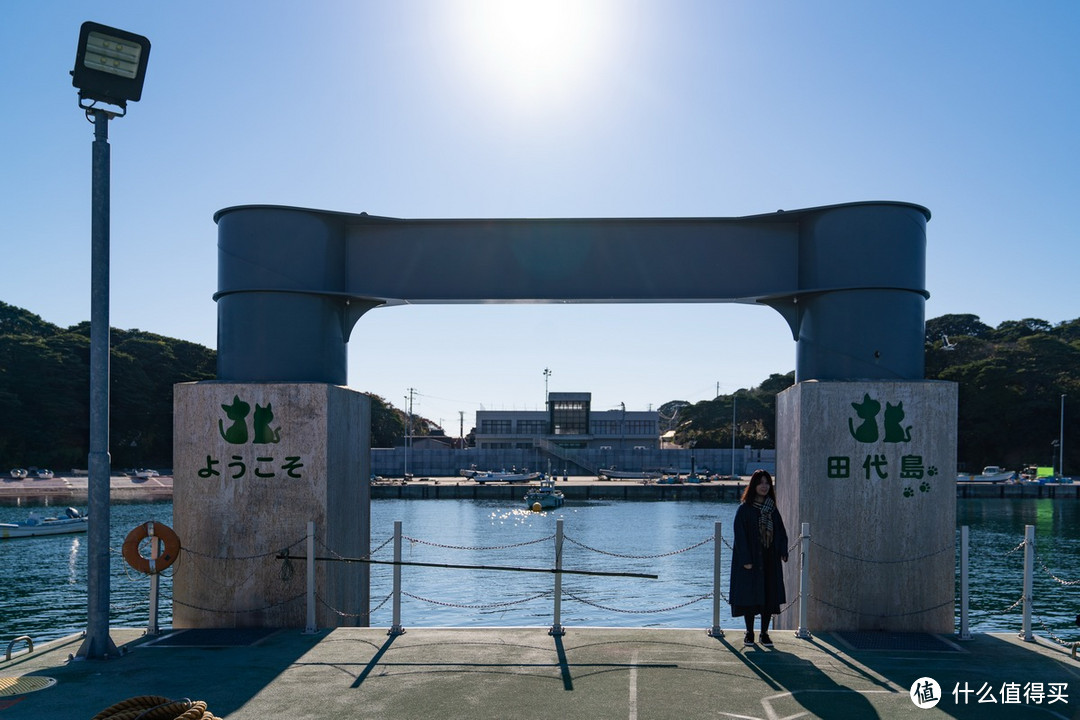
<point x="73" y="491"/>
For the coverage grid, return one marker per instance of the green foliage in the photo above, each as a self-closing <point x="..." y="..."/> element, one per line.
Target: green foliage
<point x="1010" y="381"/>
<point x="708" y="424"/>
<point x="45" y="392"/>
<point x="1010" y="389"/>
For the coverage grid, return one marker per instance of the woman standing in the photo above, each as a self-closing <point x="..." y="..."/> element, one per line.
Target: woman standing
<point x="757" y="578"/>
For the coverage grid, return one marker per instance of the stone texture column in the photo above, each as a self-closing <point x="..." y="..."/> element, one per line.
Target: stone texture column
<point x="253" y="464"/>
<point x="872" y="467"/>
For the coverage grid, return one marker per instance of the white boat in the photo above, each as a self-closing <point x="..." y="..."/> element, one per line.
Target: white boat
<point x="544" y="497"/>
<point x="146" y="473"/>
<point x="510" y="477"/>
<point x="613" y="474"/>
<point x="19" y="473"/>
<point x="44" y="473"/>
<point x="989" y="474"/>
<point x="35" y="526"/>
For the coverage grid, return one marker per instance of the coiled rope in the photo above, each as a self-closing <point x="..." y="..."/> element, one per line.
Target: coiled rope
<point x="155" y="707"/>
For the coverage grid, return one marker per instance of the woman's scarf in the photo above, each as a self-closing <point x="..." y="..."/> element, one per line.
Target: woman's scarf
<point x="765" y="523"/>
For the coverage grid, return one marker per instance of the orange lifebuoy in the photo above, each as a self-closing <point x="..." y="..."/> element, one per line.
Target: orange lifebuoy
<point x="167" y="556"/>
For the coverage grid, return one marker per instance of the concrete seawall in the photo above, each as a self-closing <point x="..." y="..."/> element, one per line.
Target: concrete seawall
<point x="69" y="490"/>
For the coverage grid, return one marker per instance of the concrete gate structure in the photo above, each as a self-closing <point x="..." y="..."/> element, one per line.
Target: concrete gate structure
<point x="849" y="279"/>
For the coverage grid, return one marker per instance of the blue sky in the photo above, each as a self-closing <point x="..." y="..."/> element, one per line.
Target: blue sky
<point x="665" y="108"/>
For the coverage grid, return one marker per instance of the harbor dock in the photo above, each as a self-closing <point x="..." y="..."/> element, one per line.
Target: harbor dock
<point x="73" y="489"/>
<point x="524" y="673"/>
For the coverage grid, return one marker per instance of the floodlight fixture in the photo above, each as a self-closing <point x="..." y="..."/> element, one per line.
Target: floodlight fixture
<point x="110" y="65"/>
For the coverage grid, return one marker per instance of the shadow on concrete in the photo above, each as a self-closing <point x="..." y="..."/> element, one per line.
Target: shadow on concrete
<point x="798" y="683"/>
<point x="976" y="682"/>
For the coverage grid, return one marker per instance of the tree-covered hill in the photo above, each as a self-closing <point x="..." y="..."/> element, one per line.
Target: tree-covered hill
<point x="1011" y="379"/>
<point x="1010" y="382"/>
<point x="45" y="394"/>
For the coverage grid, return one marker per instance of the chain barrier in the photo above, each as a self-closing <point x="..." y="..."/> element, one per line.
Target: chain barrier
<point x="949" y="548"/>
<point x="342" y="613"/>
<point x="466" y="547"/>
<point x="384" y="543"/>
<point x="478" y="607"/>
<point x="950" y="601"/>
<point x="1045" y="569"/>
<point x="582" y="600"/>
<point x="184" y="549"/>
<point x="241" y="612"/>
<point x="569" y="539"/>
<point x="1053" y="636"/>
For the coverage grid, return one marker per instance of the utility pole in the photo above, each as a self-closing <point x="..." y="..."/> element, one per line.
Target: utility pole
<point x="461" y="427"/>
<point x="547" y="374"/>
<point x="408" y="431"/>
<point x="1061" y="441"/>
<point x="734" y="398"/>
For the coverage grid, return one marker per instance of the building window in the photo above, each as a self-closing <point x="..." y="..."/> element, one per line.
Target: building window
<point x="605" y="427"/>
<point x="641" y="427"/>
<point x="532" y="427"/>
<point x="495" y="427"/>
<point x="570" y="417"/>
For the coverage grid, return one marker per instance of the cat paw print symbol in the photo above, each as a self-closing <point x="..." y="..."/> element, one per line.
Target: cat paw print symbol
<point x="908" y="492"/>
<point x="925" y="487"/>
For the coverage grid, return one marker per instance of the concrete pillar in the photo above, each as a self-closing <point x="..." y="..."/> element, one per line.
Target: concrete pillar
<point x="253" y="464"/>
<point x="872" y="467"/>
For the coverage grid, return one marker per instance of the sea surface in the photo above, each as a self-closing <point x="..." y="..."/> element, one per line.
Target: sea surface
<point x="43" y="588"/>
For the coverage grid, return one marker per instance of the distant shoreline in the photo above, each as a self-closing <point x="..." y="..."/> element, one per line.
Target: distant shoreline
<point x="124" y="489"/>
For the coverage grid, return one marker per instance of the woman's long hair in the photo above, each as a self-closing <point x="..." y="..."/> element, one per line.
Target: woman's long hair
<point x="749" y="492"/>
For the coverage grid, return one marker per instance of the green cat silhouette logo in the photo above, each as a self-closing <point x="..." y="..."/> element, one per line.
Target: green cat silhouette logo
<point x="867" y="429"/>
<point x="237" y="431"/>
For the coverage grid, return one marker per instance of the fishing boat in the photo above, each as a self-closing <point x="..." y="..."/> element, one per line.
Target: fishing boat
<point x="509" y="477"/>
<point x="35" y="526"/>
<point x="544" y="497"/>
<point x="613" y="474"/>
<point x="44" y="474"/>
<point x="19" y="473"/>
<point x="989" y="474"/>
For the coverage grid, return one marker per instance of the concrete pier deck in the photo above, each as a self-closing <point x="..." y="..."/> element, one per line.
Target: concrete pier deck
<point x="525" y="673"/>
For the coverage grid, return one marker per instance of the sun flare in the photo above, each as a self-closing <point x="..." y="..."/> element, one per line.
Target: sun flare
<point x="533" y="51"/>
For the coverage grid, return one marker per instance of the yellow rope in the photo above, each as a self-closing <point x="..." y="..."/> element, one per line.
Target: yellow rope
<point x="155" y="707"/>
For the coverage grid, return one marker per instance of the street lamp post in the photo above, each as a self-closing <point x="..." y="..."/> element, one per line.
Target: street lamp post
<point x="110" y="66"/>
<point x="1061" y="440"/>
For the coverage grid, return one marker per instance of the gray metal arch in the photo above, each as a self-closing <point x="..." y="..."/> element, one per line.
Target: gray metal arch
<point x="849" y="279"/>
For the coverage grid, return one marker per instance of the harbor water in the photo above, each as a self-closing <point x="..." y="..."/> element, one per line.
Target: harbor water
<point x="43" y="592"/>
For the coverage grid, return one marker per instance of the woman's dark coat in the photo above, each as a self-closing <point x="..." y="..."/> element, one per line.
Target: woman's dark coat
<point x="746" y="592"/>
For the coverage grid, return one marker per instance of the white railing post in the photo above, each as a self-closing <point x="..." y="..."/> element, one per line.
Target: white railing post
<point x="1029" y="575"/>
<point x="152" y="621"/>
<point x="965" y="633"/>
<point x="395" y="628"/>
<point x="715" y="630"/>
<point x="804" y="580"/>
<point x="311" y="625"/>
<point x="556" y="627"/>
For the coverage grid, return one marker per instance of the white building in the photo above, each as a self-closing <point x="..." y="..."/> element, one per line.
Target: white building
<point x="570" y="424"/>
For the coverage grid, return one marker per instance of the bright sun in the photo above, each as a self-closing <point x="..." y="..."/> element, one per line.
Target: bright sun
<point x="534" y="51"/>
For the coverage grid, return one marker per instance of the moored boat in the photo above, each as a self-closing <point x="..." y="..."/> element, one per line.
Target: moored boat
<point x="19" y="473"/>
<point x="544" y="497"/>
<point x="509" y="477"/>
<point x="613" y="474"/>
<point x="989" y="474"/>
<point x="35" y="526"/>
